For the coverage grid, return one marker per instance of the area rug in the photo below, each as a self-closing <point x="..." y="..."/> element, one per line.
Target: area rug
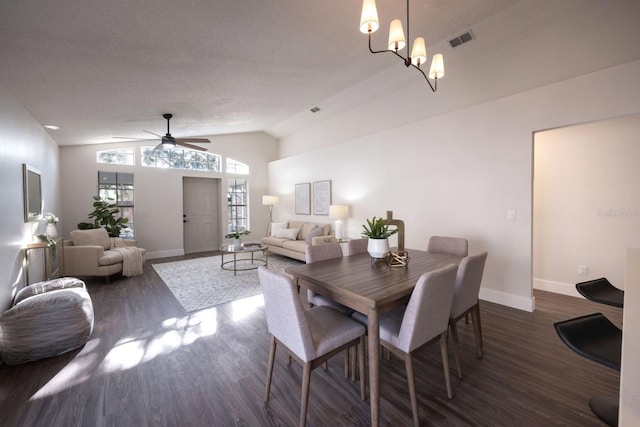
<point x="200" y="282"/>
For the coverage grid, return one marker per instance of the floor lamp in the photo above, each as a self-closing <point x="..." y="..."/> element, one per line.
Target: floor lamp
<point x="338" y="212"/>
<point x="270" y="202"/>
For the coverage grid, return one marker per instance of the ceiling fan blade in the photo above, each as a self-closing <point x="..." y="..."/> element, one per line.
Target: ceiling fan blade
<point x="153" y="133"/>
<point x="201" y="140"/>
<point x="193" y="147"/>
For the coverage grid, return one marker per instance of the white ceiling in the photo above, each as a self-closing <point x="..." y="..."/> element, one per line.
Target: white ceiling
<point x="99" y="69"/>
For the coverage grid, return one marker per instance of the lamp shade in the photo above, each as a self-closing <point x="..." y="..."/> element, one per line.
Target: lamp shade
<point x="396" y="35"/>
<point x="270" y="200"/>
<point x="419" y="52"/>
<point x="437" y="67"/>
<point x="338" y="211"/>
<point x="369" y="17"/>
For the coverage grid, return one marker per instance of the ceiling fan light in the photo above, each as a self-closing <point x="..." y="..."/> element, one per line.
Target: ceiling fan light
<point x="437" y="67"/>
<point x="396" y="35"/>
<point x="369" y="17"/>
<point x="419" y="52"/>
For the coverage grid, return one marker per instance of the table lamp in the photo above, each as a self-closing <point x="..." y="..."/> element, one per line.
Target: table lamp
<point x="338" y="212"/>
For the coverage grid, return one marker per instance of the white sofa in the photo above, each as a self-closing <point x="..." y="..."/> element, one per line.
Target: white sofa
<point x="285" y="241"/>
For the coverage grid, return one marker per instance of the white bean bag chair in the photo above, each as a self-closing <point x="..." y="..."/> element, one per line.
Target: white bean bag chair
<point x="46" y="319"/>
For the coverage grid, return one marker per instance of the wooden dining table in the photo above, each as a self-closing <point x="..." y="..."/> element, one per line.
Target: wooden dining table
<point x="371" y="289"/>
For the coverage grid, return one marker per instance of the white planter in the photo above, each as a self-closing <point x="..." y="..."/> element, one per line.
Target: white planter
<point x="378" y="248"/>
<point x="51" y="230"/>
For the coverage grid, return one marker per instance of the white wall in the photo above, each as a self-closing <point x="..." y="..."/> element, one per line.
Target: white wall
<point x="458" y="173"/>
<point x="158" y="192"/>
<point x="586" y="202"/>
<point x="22" y="140"/>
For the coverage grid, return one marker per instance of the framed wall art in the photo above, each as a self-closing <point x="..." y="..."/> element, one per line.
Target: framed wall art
<point x="321" y="197"/>
<point x="303" y="199"/>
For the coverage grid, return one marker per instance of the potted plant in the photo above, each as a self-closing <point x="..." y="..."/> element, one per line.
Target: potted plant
<point x="51" y="220"/>
<point x="378" y="233"/>
<point x="236" y="234"/>
<point x="105" y="214"/>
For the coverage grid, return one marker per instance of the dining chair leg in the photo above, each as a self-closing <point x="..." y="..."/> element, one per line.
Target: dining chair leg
<point x="477" y="329"/>
<point x="304" y="398"/>
<point x="363" y="378"/>
<point x="272" y="356"/>
<point x="412" y="389"/>
<point x="347" y="354"/>
<point x="445" y="363"/>
<point x="456" y="346"/>
<point x="353" y="362"/>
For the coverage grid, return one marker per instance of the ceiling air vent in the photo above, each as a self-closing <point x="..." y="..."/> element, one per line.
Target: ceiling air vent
<point x="462" y="38"/>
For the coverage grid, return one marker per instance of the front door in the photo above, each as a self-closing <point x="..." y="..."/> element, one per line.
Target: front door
<point x="201" y="214"/>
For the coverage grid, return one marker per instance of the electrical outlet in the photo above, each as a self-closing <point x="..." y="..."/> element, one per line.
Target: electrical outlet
<point x="583" y="270"/>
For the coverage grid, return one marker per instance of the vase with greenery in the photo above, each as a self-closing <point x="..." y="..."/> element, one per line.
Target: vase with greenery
<point x="236" y="234"/>
<point x="378" y="233"/>
<point x="105" y="215"/>
<point x="51" y="220"/>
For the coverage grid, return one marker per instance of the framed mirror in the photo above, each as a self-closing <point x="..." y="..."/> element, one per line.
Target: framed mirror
<point x="32" y="190"/>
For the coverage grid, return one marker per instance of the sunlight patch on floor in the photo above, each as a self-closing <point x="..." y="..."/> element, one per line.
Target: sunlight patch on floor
<point x="246" y="306"/>
<point x="173" y="334"/>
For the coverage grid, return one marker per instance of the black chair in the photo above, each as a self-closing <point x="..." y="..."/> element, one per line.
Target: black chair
<point x="602" y="291"/>
<point x="594" y="336"/>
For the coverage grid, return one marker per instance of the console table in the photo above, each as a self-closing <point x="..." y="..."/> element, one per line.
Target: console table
<point x="50" y="265"/>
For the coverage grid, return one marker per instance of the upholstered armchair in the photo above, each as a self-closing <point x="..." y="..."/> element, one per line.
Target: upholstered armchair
<point x="90" y="253"/>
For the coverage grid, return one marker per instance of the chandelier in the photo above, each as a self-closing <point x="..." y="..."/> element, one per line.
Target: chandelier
<point x="369" y="24"/>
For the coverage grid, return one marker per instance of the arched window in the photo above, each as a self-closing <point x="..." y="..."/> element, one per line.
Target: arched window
<point x="233" y="166"/>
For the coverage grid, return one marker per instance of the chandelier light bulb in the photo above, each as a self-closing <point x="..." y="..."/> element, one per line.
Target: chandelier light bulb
<point x="419" y="52"/>
<point x="396" y="35"/>
<point x="369" y="17"/>
<point x="437" y="67"/>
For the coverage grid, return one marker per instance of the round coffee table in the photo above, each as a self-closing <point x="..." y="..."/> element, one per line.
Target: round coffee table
<point x="240" y="263"/>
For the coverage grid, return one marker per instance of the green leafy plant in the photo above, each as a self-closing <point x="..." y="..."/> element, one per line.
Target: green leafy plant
<point x="375" y="228"/>
<point x="50" y="242"/>
<point x="105" y="214"/>
<point x="237" y="233"/>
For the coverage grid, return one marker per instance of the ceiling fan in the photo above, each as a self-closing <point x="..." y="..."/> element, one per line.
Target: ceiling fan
<point x="168" y="141"/>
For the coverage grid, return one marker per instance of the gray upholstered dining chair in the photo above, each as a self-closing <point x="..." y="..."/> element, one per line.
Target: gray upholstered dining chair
<point x="324" y="252"/>
<point x="357" y="246"/>
<point x="319" y="253"/>
<point x="465" y="301"/>
<point x="310" y="336"/>
<point x="425" y="318"/>
<point x="448" y="245"/>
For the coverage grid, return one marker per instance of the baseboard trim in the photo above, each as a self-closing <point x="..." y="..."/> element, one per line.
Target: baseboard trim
<point x="164" y="254"/>
<point x="510" y="300"/>
<point x="556" y="287"/>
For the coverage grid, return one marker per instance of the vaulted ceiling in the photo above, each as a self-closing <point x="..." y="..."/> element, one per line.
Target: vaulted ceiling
<point x="104" y="69"/>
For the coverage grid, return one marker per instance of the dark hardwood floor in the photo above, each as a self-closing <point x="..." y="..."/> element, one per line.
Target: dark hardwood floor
<point x="149" y="363"/>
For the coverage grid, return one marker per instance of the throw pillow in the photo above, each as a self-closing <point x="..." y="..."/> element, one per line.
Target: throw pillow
<point x="316" y="231"/>
<point x="276" y="226"/>
<point x="287" y="233"/>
